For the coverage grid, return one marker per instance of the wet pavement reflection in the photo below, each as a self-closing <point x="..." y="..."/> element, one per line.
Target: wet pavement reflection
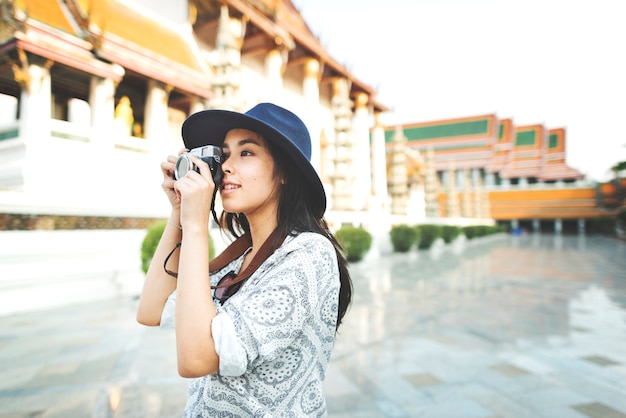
<point x="508" y="326"/>
<point x="503" y="326"/>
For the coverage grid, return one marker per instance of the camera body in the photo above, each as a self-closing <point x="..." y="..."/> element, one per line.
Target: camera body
<point x="210" y="154"/>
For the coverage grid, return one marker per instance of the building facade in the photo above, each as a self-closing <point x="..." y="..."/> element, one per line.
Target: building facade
<point x="95" y="94"/>
<point x="485" y="167"/>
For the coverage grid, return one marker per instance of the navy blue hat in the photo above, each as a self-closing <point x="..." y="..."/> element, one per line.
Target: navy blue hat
<point x="275" y="124"/>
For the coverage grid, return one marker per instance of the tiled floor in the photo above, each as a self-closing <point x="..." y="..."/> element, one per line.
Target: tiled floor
<point x="531" y="326"/>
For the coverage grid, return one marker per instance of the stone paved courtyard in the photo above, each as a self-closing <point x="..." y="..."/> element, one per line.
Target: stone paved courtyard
<point x="505" y="326"/>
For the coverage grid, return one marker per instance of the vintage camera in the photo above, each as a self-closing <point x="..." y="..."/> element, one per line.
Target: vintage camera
<point x="209" y="154"/>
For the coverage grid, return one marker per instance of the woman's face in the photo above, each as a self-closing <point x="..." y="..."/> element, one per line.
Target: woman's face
<point x="250" y="184"/>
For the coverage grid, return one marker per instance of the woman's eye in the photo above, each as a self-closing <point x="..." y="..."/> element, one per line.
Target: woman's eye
<point x="244" y="153"/>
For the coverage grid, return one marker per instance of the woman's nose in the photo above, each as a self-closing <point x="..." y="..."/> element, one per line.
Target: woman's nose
<point x="226" y="167"/>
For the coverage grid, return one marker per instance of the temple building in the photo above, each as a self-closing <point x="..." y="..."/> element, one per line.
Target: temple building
<point x="94" y="94"/>
<point x="485" y="167"/>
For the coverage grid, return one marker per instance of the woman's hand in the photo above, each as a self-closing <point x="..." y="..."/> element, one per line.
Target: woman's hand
<point x="194" y="191"/>
<point x="167" y="167"/>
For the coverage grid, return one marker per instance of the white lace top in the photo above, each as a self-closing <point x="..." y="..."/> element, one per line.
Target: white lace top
<point x="274" y="336"/>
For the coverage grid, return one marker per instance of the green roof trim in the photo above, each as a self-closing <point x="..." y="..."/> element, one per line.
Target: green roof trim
<point x="525" y="138"/>
<point x="501" y="131"/>
<point x="456" y="129"/>
<point x="476" y="146"/>
<point x="553" y="141"/>
<point x="13" y="133"/>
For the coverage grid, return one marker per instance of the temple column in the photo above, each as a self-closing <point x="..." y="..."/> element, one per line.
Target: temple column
<point x="558" y="226"/>
<point x="480" y="197"/>
<point x="490" y="179"/>
<point x="379" y="161"/>
<point x="155" y="116"/>
<point x="431" y="185"/>
<point x="523" y="183"/>
<point x="536" y="225"/>
<point x="343" y="174"/>
<point x="362" y="154"/>
<point x="35" y="122"/>
<point x="485" y="207"/>
<point x="35" y="102"/>
<point x="196" y="105"/>
<point x="226" y="60"/>
<point x="469" y="207"/>
<point x="452" y="206"/>
<point x="399" y="187"/>
<point x="311" y="93"/>
<point x="102" y="104"/>
<point x="274" y="67"/>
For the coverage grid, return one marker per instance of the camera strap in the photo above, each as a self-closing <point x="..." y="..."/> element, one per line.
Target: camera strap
<point x="238" y="247"/>
<point x="213" y="205"/>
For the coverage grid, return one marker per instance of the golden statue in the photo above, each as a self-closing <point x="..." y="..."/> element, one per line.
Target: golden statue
<point x="124" y="117"/>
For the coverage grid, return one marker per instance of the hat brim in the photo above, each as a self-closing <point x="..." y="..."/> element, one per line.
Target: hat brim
<point x="209" y="127"/>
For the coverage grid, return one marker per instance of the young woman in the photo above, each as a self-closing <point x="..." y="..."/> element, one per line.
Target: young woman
<point x="255" y="327"/>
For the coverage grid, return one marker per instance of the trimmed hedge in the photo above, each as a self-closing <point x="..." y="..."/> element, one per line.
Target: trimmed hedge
<point x="355" y="241"/>
<point x="403" y="237"/>
<point x="151" y="240"/>
<point x="449" y="233"/>
<point x="428" y="234"/>
<point x="476" y="231"/>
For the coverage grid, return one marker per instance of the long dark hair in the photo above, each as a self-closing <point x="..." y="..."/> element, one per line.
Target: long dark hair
<point x="296" y="215"/>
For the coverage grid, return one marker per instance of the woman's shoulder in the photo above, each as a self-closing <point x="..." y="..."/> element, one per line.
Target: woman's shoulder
<point x="311" y="241"/>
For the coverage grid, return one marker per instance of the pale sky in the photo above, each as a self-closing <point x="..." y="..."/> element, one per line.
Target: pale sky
<point x="560" y="63"/>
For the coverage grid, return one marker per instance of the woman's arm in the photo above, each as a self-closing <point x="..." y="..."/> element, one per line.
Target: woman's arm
<point x="195" y="309"/>
<point x="158" y="285"/>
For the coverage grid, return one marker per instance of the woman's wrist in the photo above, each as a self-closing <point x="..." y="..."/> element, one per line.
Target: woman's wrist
<point x="174" y="224"/>
<point x="174" y="220"/>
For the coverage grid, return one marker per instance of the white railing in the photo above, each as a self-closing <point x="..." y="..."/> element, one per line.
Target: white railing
<point x="77" y="132"/>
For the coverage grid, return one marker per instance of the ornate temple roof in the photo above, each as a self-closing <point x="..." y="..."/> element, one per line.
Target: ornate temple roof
<point x="502" y="148"/>
<point x="88" y="35"/>
<point x="495" y="145"/>
<point x="468" y="142"/>
<point x="554" y="167"/>
<point x="281" y="21"/>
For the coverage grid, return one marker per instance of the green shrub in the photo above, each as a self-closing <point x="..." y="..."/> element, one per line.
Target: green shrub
<point x="355" y="241"/>
<point x="469" y="231"/>
<point x="495" y="229"/>
<point x="403" y="237"/>
<point x="449" y="233"/>
<point x="482" y="230"/>
<point x="151" y="240"/>
<point x="476" y="231"/>
<point x="428" y="234"/>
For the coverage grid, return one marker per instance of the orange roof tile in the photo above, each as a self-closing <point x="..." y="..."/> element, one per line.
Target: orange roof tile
<point x="48" y="12"/>
<point x="113" y="17"/>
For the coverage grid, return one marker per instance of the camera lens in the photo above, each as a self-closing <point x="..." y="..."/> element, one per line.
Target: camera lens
<point x="183" y="165"/>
